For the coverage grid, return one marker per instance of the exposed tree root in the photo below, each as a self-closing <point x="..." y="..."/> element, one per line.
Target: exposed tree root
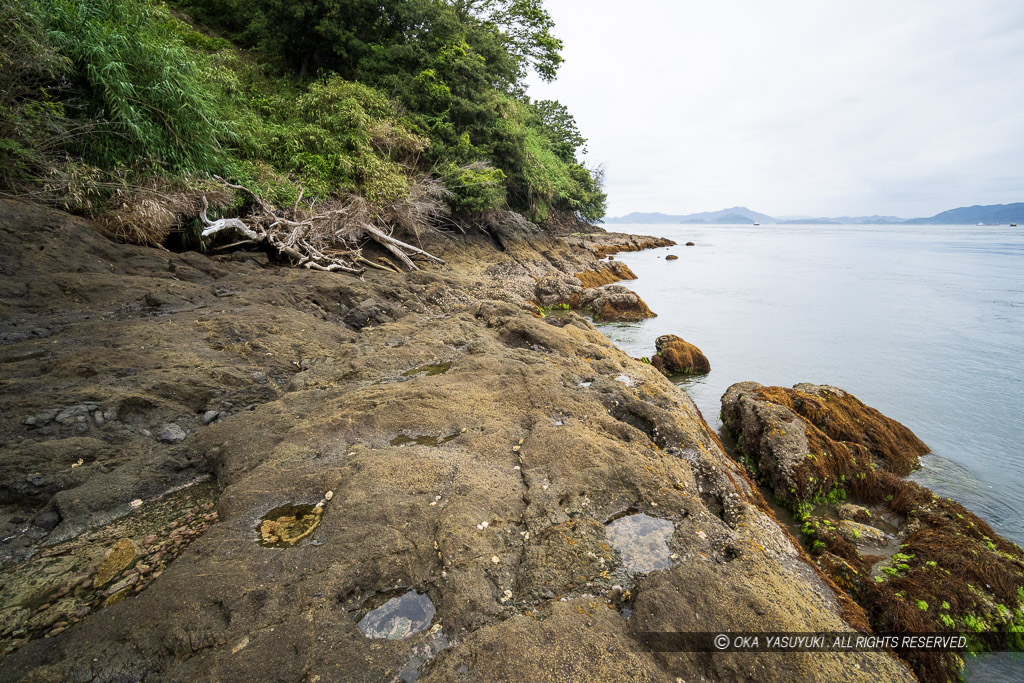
<point x="327" y="238"/>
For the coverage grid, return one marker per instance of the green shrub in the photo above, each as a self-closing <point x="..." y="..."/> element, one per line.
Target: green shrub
<point x="475" y="188"/>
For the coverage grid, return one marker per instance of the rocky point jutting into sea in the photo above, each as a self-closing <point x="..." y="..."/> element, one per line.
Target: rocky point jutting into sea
<point x="216" y="467"/>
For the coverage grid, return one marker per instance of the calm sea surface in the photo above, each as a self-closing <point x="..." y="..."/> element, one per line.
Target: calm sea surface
<point x="925" y="323"/>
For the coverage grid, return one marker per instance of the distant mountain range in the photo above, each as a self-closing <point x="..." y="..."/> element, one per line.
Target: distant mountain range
<point x="737" y="214"/>
<point x="968" y="215"/>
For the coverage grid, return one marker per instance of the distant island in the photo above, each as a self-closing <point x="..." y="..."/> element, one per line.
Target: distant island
<point x="969" y="215"/>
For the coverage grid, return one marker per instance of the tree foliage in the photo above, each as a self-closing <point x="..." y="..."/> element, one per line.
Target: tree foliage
<point x="345" y="96"/>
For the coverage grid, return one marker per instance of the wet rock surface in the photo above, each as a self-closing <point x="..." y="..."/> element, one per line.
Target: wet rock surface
<point x="916" y="562"/>
<point x="642" y="542"/>
<point x="118" y="558"/>
<point x="399" y="618"/>
<point x="63" y="584"/>
<point x="503" y="527"/>
<point x="286" y="525"/>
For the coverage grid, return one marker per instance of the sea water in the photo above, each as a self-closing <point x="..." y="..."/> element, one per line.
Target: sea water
<point x="924" y="323"/>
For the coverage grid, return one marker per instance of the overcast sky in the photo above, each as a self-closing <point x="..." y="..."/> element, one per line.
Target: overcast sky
<point x="823" y="107"/>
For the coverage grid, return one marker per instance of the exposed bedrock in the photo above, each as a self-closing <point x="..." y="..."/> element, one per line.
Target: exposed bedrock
<point x="916" y="562"/>
<point x="412" y="472"/>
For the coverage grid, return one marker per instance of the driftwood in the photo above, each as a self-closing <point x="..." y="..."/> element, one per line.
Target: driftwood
<point x="328" y="239"/>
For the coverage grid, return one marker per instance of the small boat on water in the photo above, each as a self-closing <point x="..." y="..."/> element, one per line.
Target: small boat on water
<point x="981" y="225"/>
<point x="1013" y="225"/>
<point x="756" y="223"/>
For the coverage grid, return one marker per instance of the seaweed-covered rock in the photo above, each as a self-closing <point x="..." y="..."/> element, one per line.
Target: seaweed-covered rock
<point x="810" y="441"/>
<point x="606" y="275"/>
<point x="675" y="355"/>
<point x="608" y="243"/>
<point x="916" y="562"/>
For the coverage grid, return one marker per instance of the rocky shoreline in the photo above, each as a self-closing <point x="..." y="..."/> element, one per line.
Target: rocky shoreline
<point x="916" y="562"/>
<point x="503" y="494"/>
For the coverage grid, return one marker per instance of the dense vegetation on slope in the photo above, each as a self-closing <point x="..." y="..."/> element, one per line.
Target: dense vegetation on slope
<point x="389" y="102"/>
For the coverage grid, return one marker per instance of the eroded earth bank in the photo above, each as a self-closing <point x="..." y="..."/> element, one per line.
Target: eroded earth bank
<point x="216" y="468"/>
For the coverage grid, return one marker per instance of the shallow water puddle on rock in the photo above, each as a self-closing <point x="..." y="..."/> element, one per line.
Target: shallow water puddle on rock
<point x="399" y="617"/>
<point x="286" y="525"/>
<point x="422" y="440"/>
<point x="642" y="541"/>
<point x="429" y="370"/>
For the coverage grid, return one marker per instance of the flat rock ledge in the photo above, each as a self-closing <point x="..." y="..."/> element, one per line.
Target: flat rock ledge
<point x="461" y="457"/>
<point x="607" y="244"/>
<point x="916" y="562"/>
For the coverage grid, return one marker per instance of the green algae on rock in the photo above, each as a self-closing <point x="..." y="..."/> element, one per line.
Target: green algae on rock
<point x="120" y="557"/>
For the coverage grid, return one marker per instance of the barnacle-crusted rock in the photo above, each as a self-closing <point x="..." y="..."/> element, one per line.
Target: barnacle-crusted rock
<point x="614" y="303"/>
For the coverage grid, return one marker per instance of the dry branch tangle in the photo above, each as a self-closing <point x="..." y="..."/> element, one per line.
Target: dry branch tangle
<point x="327" y="240"/>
